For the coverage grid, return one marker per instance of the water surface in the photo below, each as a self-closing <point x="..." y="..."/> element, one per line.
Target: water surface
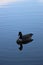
<point x="28" y="18"/>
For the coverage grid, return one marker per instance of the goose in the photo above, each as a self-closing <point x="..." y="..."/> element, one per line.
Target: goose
<point x="24" y="38"/>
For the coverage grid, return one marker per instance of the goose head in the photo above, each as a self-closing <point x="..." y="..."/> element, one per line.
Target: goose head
<point x="20" y="35"/>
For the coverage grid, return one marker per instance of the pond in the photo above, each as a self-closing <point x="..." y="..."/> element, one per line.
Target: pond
<point x="26" y="17"/>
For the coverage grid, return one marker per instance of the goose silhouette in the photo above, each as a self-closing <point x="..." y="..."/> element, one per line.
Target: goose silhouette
<point x="24" y="39"/>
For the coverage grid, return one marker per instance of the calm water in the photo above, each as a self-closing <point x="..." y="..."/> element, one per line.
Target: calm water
<point x="28" y="18"/>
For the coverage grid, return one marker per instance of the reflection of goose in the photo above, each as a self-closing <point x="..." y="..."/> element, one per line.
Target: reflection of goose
<point x="24" y="39"/>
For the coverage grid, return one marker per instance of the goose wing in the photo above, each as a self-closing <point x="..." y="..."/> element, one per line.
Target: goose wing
<point x="27" y="36"/>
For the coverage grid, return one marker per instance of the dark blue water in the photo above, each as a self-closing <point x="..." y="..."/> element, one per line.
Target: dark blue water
<point x="28" y="18"/>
